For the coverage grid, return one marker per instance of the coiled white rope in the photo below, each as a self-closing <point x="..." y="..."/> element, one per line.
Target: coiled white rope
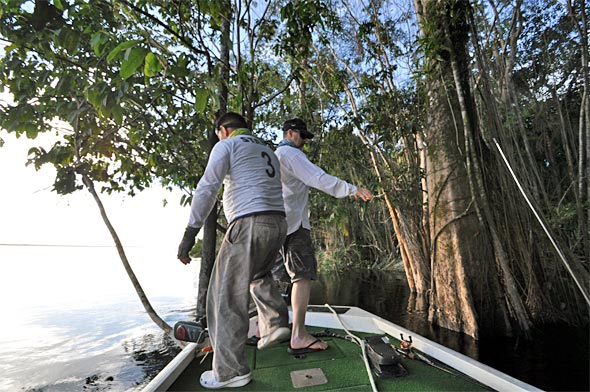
<point x="361" y="343"/>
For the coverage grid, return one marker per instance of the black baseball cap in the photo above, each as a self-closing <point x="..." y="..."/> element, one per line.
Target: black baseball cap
<point x="297" y="124"/>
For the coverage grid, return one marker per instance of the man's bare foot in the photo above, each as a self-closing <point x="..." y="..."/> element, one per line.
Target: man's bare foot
<point x="308" y="342"/>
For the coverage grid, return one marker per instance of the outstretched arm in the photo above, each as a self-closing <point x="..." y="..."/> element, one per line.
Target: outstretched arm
<point x="315" y="177"/>
<point x="363" y="194"/>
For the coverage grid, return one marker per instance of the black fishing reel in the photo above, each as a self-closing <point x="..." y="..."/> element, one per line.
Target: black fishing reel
<point x="384" y="359"/>
<point x="405" y="346"/>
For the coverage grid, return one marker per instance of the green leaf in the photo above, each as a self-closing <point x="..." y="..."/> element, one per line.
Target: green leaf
<point x="58" y="4"/>
<point x="93" y="96"/>
<point x="133" y="59"/>
<point x="10" y="48"/>
<point x="201" y="97"/>
<point x="96" y="42"/>
<point x="152" y="65"/>
<point x="121" y="47"/>
<point x="65" y="181"/>
<point x="69" y="39"/>
<point x="31" y="130"/>
<point x="117" y="113"/>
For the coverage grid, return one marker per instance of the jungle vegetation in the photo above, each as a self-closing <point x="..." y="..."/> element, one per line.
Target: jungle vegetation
<point x="411" y="99"/>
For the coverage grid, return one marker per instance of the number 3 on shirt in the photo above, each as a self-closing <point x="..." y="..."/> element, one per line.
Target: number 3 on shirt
<point x="271" y="171"/>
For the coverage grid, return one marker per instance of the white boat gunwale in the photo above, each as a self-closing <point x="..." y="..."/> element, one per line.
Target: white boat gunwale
<point x="166" y="377"/>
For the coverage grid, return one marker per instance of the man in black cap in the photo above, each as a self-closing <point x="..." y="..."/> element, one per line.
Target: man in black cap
<point x="298" y="174"/>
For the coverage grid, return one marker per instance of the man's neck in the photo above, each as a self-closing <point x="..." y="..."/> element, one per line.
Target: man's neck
<point x="287" y="142"/>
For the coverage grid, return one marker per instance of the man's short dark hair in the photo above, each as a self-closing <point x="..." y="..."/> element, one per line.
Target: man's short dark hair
<point x="230" y="120"/>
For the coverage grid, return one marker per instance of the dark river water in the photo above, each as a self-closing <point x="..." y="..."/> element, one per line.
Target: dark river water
<point x="556" y="359"/>
<point x="71" y="321"/>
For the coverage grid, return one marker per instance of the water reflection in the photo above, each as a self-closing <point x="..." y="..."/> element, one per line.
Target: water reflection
<point x="94" y="349"/>
<point x="150" y="352"/>
<point x="72" y="321"/>
<point x="387" y="295"/>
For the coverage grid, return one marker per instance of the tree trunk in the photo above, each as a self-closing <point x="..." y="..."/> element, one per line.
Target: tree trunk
<point x="583" y="129"/>
<point x="454" y="229"/>
<point x="210" y="227"/>
<point x="473" y="154"/>
<point x="136" y="285"/>
<point x="409" y="232"/>
<point x="462" y="245"/>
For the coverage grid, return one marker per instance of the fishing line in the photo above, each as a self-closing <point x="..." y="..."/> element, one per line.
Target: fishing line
<point x="559" y="252"/>
<point x="358" y="341"/>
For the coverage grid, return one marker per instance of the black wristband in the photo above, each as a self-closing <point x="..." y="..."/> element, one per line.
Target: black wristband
<point x="188" y="241"/>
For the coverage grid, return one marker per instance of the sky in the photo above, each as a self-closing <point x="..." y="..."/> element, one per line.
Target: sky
<point x="31" y="213"/>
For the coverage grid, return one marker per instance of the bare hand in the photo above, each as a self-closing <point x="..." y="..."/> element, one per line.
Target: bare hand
<point x="185" y="260"/>
<point x="363" y="194"/>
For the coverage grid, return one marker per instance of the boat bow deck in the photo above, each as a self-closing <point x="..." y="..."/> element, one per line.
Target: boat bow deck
<point x="341" y="367"/>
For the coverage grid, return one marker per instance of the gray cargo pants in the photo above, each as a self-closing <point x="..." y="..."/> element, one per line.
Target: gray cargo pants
<point x="243" y="264"/>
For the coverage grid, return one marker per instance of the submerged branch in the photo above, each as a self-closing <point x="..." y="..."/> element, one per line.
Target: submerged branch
<point x="143" y="298"/>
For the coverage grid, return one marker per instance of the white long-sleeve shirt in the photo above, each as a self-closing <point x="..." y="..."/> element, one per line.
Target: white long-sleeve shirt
<point x="298" y="174"/>
<point x="250" y="173"/>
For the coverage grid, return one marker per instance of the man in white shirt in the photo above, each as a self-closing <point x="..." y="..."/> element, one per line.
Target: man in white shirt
<point x="298" y="174"/>
<point x="253" y="205"/>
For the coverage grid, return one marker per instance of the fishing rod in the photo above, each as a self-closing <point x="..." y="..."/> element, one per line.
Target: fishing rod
<point x="553" y="242"/>
<point x="358" y="341"/>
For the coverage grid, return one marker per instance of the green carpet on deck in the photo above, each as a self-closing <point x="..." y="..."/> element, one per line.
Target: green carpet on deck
<point x="342" y="365"/>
